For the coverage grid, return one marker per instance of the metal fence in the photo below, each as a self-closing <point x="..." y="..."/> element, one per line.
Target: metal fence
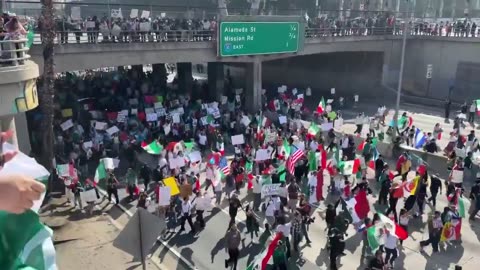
<point x="13" y="52"/>
<point x="86" y="9"/>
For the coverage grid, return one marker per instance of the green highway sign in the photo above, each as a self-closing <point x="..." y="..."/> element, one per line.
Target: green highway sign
<point x="253" y="38"/>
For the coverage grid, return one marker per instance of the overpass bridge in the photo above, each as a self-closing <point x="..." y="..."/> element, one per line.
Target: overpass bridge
<point x="455" y="61"/>
<point x="84" y="55"/>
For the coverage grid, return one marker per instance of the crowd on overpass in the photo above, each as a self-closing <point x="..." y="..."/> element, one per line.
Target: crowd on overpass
<point x="162" y="28"/>
<point x="117" y="121"/>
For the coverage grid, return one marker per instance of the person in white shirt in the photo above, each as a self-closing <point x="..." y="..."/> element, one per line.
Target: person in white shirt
<point x="471" y="114"/>
<point x="186" y="215"/>
<point x="257" y="193"/>
<point x="391" y="252"/>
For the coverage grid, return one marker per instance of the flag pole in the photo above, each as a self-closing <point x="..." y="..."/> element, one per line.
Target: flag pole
<point x="400" y="79"/>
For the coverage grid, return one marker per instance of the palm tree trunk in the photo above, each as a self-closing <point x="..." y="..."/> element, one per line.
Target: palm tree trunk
<point x="46" y="91"/>
<point x="222" y="7"/>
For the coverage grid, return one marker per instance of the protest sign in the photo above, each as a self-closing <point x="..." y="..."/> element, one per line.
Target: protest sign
<point x="326" y="126"/>
<point x="134" y="111"/>
<point x="100" y="125"/>
<point x="170" y="182"/>
<point x="160" y="112"/>
<point x="157" y="105"/>
<point x="246" y="121"/>
<point x="164" y="196"/>
<point x="457" y="176"/>
<point x="282" y="119"/>
<point x="116" y="13"/>
<point x="262" y="154"/>
<point x="133" y="13"/>
<point x="133" y="101"/>
<point x="89" y="195"/>
<point x="122" y="116"/>
<point x="332" y="91"/>
<point x="176" y="118"/>
<point x="149" y="110"/>
<point x="270" y="189"/>
<point x="145" y="14"/>
<point x="177" y="162"/>
<point x="113" y="130"/>
<point x="66" y="125"/>
<point x="67" y="113"/>
<point x="152" y="117"/>
<point x="195" y="156"/>
<point x="238" y="139"/>
<point x="88" y="144"/>
<point x="75" y="13"/>
<point x="186" y="190"/>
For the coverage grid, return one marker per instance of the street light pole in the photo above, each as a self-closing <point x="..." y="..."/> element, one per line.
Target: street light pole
<point x="400" y="79"/>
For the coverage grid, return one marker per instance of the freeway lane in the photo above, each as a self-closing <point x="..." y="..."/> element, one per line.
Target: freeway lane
<point x="206" y="249"/>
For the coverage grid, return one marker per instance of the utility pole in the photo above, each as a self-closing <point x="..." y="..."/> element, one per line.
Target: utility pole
<point x="400" y="79"/>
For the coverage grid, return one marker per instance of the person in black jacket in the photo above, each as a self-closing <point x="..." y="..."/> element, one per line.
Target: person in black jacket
<point x="435" y="187"/>
<point x="379" y="164"/>
<point x="145" y="175"/>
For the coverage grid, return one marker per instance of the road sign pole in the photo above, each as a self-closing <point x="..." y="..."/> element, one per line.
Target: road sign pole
<point x="142" y="254"/>
<point x="400" y="79"/>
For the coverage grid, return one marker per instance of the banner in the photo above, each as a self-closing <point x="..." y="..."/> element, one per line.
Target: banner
<point x="271" y="189"/>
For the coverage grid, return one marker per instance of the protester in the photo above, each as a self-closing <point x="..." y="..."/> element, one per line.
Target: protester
<point x="232" y="244"/>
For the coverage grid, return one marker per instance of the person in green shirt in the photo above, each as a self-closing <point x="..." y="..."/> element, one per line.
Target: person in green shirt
<point x="279" y="257"/>
<point x="367" y="150"/>
<point x="131" y="178"/>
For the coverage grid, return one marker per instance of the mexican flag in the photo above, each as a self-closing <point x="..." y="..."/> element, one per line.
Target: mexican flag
<point x="249" y="166"/>
<point x="393" y="227"/>
<point x="355" y="209"/>
<point x="261" y="260"/>
<point x="153" y="148"/>
<point x="361" y="145"/>
<point x="321" y="106"/>
<point x="478" y="106"/>
<point x="312" y="161"/>
<point x="374" y="237"/>
<point x="286" y="148"/>
<point x="264" y="122"/>
<point x="101" y="171"/>
<point x="28" y="246"/>
<point x="282" y="173"/>
<point x="351" y="167"/>
<point x="313" y="129"/>
<point x="462" y="208"/>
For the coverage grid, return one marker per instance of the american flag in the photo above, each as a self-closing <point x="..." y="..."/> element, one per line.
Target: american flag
<point x="223" y="165"/>
<point x="293" y="159"/>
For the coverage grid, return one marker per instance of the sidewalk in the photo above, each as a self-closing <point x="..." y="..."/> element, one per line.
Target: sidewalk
<point x="86" y="242"/>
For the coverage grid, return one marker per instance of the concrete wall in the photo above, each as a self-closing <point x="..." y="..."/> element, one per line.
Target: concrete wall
<point x="446" y="56"/>
<point x="89" y="56"/>
<point x="356" y="72"/>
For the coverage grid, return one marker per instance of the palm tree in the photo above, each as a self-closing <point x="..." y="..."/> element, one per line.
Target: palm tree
<point x="46" y="90"/>
<point x="222" y="7"/>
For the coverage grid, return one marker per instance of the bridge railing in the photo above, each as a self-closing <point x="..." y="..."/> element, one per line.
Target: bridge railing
<point x="13" y="52"/>
<point x="92" y="37"/>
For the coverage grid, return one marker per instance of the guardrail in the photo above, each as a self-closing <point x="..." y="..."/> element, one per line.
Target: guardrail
<point x="13" y="52"/>
<point x="114" y="36"/>
<point x="92" y="37"/>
